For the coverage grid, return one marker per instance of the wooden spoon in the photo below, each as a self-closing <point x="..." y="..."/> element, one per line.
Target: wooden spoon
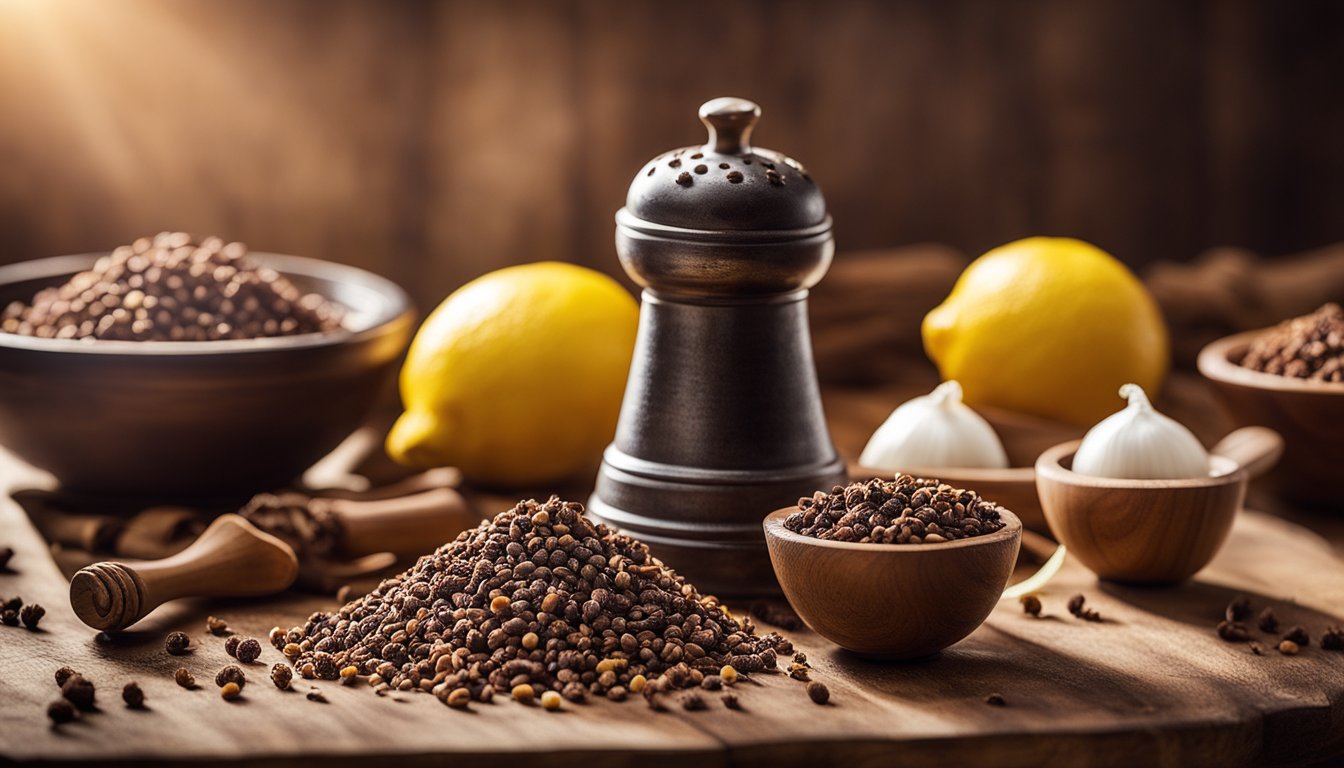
<point x="230" y="559"/>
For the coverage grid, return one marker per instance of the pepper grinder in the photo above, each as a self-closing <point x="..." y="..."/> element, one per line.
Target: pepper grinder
<point x="722" y="420"/>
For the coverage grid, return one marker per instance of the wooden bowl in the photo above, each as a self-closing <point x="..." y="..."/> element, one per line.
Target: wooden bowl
<point x="1309" y="415"/>
<point x="1139" y="531"/>
<point x="190" y="420"/>
<point x="892" y="601"/>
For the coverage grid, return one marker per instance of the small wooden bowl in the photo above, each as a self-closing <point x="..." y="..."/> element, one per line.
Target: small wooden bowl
<point x="1309" y="415"/>
<point x="1139" y="531"/>
<point x="892" y="601"/>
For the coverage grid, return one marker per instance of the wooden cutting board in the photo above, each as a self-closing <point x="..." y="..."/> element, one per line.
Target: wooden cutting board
<point x="1150" y="685"/>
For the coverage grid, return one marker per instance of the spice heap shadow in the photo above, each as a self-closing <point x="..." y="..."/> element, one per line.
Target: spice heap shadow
<point x="1308" y="347"/>
<point x="539" y="598"/>
<point x="905" y="510"/>
<point x="170" y="288"/>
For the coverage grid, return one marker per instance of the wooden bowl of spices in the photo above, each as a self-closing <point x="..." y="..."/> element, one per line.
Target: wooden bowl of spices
<point x="175" y="419"/>
<point x="1308" y="412"/>
<point x="884" y="599"/>
<point x="1151" y="531"/>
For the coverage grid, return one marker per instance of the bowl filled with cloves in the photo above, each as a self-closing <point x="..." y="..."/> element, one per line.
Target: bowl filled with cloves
<point x="187" y="368"/>
<point x="1290" y="378"/>
<point x="893" y="569"/>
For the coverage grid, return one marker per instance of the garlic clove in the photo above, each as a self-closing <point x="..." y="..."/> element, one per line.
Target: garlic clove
<point x="1139" y="443"/>
<point x="933" y="431"/>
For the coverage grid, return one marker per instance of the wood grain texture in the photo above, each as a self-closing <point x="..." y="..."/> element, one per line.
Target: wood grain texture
<point x="434" y="141"/>
<point x="232" y="558"/>
<point x="1151" y="684"/>
<point x="892" y="601"/>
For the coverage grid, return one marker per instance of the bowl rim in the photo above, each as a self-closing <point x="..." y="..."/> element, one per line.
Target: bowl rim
<point x="1214" y="362"/>
<point x="774" y="527"/>
<point x="1050" y="468"/>
<point x="401" y="310"/>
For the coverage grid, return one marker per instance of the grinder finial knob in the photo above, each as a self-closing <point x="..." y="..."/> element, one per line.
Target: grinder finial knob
<point x="730" y="120"/>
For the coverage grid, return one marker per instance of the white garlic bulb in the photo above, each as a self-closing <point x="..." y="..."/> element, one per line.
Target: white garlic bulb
<point x="932" y="431"/>
<point x="1138" y="443"/>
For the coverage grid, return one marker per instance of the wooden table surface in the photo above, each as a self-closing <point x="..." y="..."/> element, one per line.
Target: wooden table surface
<point x="1152" y="684"/>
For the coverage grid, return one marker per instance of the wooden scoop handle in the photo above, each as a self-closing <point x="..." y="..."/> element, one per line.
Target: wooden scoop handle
<point x="1255" y="449"/>
<point x="230" y="559"/>
<point x="408" y="526"/>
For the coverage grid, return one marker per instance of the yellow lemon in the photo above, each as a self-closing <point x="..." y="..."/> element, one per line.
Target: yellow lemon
<point x="517" y="377"/>
<point x="1048" y="326"/>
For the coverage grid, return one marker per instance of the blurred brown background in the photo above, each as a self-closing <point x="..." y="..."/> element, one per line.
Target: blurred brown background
<point x="433" y="141"/>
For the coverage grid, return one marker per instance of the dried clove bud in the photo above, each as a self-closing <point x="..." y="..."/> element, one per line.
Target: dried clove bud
<point x="184" y="678"/>
<point x="1031" y="605"/>
<point x="731" y="701"/>
<point x="1332" y="639"/>
<point x="1268" y="622"/>
<point x="177" y="643"/>
<point x="1233" y="632"/>
<point x="216" y="626"/>
<point x="231" y="646"/>
<point x="63" y="674"/>
<point x="693" y="702"/>
<point x="133" y="696"/>
<point x="30" y="615"/>
<point x="818" y="692"/>
<point x="79" y="691"/>
<point x="61" y="711"/>
<point x="1257" y="648"/>
<point x="9" y="617"/>
<point x="1298" y="634"/>
<point x="1239" y="609"/>
<point x="1079" y="610"/>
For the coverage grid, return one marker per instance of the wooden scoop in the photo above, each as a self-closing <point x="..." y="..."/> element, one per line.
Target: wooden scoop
<point x="230" y="559"/>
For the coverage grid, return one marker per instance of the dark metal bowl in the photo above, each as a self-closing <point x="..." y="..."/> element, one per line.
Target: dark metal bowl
<point x="187" y="420"/>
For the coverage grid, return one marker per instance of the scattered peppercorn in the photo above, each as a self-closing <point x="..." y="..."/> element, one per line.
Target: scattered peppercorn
<point x="550" y="700"/>
<point x="276" y="637"/>
<point x="9" y="617"/>
<point x="996" y="700"/>
<point x="1289" y="648"/>
<point x="177" y="643"/>
<point x="133" y="696"/>
<point x="1031" y="605"/>
<point x="61" y="711"/>
<point x="694" y="702"/>
<point x="1332" y="639"/>
<point x="906" y="510"/>
<point x="731" y="701"/>
<point x="216" y="626"/>
<point x="282" y="675"/>
<point x="230" y="691"/>
<point x="726" y="672"/>
<point x="523" y="692"/>
<point x="1257" y="648"/>
<point x="63" y="674"/>
<point x="248" y="651"/>
<point x="799" y="672"/>
<point x="231" y="646"/>
<point x="231" y="674"/>
<point x="459" y="698"/>
<point x="1079" y="610"/>
<point x="184" y="678"/>
<point x="1298" y="634"/>
<point x="78" y="690"/>
<point x="1268" y="622"/>
<point x="1238" y="609"/>
<point x="1232" y="632"/>
<point x="316" y="695"/>
<point x="818" y="692"/>
<point x="31" y="614"/>
<point x="349" y="675"/>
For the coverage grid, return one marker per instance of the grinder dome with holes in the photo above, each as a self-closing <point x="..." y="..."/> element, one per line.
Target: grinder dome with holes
<point x="722" y="420"/>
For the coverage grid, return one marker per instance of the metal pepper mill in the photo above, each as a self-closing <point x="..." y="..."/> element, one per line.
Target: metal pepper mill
<point x="722" y="420"/>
